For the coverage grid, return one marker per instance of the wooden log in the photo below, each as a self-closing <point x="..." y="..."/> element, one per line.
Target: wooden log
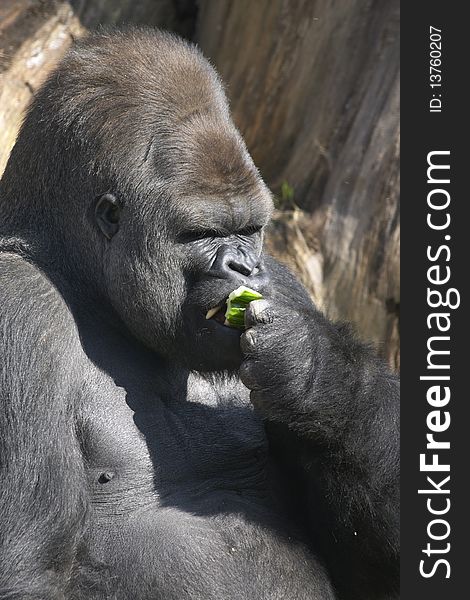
<point x="34" y="36"/>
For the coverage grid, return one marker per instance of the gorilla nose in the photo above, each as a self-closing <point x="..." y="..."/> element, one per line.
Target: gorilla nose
<point x="240" y="266"/>
<point x="231" y="263"/>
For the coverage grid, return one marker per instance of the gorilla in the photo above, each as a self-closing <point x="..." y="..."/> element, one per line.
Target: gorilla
<point x="148" y="451"/>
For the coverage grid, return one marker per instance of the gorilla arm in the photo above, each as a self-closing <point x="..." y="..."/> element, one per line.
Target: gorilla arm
<point x="42" y="480"/>
<point x="331" y="410"/>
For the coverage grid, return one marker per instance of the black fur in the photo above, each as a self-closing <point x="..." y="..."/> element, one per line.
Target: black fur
<point x="135" y="462"/>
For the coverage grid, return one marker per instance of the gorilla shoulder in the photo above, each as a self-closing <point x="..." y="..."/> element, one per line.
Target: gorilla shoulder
<point x="37" y="326"/>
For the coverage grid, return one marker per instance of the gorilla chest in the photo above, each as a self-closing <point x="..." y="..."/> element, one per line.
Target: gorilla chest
<point x="182" y="502"/>
<point x="172" y="450"/>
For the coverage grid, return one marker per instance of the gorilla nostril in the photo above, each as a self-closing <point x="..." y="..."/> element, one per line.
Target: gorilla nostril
<point x="240" y="268"/>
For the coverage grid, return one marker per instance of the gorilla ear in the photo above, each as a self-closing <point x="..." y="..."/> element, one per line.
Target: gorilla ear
<point x="107" y="214"/>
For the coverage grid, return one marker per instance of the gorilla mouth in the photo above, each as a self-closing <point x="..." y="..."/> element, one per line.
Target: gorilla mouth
<point x="218" y="314"/>
<point x="232" y="312"/>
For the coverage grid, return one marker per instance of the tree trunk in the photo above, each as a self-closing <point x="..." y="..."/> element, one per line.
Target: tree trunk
<point x="314" y="88"/>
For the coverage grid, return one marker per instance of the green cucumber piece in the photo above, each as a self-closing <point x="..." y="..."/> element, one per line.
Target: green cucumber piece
<point x="237" y="302"/>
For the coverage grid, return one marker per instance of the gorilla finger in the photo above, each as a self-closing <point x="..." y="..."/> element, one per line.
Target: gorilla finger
<point x="248" y="375"/>
<point x="258" y="311"/>
<point x="248" y="341"/>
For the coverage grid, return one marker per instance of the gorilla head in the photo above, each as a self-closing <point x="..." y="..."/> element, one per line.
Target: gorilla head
<point x="141" y="192"/>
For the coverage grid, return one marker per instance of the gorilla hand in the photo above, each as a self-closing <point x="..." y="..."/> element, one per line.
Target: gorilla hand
<point x="278" y="353"/>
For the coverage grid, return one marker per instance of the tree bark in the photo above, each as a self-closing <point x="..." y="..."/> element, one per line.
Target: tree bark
<point x="314" y="88"/>
<point x="33" y="37"/>
<point x="175" y="15"/>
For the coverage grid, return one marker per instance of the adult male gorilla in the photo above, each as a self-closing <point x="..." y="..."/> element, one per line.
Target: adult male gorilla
<point x="148" y="452"/>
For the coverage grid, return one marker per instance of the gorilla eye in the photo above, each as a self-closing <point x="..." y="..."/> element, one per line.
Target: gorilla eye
<point x="194" y="236"/>
<point x="107" y="214"/>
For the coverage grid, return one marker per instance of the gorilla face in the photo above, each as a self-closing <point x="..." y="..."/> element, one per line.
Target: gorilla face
<point x="169" y="272"/>
<point x="169" y="269"/>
